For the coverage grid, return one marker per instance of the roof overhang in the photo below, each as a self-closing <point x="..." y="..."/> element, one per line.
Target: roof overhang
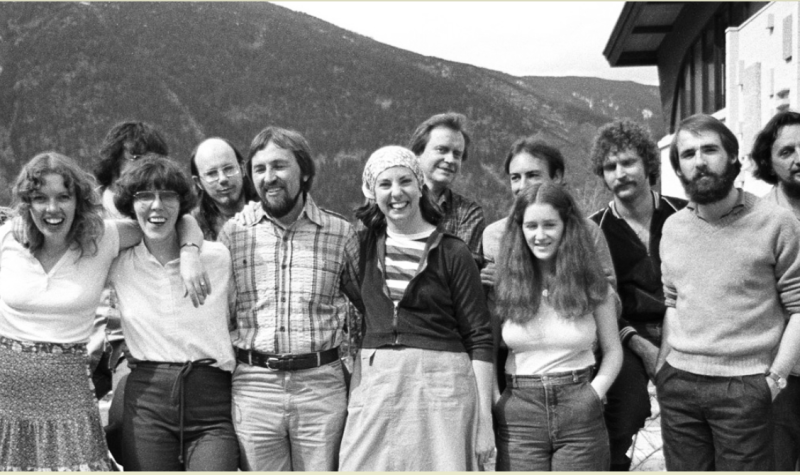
<point x="640" y="31"/>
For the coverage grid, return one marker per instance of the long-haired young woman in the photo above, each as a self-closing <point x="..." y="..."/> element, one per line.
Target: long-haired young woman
<point x="555" y="302"/>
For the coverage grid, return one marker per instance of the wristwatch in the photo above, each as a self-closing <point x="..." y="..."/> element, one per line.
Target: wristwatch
<point x="780" y="381"/>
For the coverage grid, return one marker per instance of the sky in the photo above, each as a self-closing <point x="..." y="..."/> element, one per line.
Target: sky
<point x="520" y="38"/>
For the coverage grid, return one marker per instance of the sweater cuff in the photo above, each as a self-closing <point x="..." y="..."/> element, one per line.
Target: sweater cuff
<point x="626" y="333"/>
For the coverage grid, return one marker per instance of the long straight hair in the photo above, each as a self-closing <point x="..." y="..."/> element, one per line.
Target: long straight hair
<point x="579" y="284"/>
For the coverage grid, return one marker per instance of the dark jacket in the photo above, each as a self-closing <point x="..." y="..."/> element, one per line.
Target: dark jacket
<point x="443" y="308"/>
<point x="638" y="268"/>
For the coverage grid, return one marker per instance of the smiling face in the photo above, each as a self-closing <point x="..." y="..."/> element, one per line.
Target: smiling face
<point x="219" y="174"/>
<point x="277" y="178"/>
<point x="157" y="212"/>
<point x="625" y="176"/>
<point x="785" y="154"/>
<point x="397" y="194"/>
<point x="543" y="229"/>
<point x="441" y="159"/>
<point x="53" y="208"/>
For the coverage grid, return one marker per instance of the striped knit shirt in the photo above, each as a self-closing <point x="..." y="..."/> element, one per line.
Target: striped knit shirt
<point x="403" y="258"/>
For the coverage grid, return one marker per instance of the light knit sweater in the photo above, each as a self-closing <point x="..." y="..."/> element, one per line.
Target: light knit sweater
<point x="732" y="283"/>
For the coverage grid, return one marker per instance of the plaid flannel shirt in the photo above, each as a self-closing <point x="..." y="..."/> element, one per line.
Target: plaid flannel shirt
<point x="293" y="284"/>
<point x="464" y="219"/>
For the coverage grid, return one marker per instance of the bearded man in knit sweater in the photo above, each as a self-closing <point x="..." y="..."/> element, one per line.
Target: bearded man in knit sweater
<point x="731" y="274"/>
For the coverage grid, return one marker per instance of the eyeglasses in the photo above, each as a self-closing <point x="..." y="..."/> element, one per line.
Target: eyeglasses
<point x="214" y="175"/>
<point x="130" y="156"/>
<point x="147" y="197"/>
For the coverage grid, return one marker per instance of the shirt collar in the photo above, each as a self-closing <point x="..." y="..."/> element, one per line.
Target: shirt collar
<point x="656" y="204"/>
<point x="310" y="211"/>
<point x="445" y="199"/>
<point x="740" y="198"/>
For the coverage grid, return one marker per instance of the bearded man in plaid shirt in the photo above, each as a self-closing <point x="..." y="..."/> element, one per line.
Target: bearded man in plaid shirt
<point x="294" y="268"/>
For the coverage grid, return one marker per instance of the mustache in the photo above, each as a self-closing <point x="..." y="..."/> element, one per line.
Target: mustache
<point x="277" y="182"/>
<point x="623" y="183"/>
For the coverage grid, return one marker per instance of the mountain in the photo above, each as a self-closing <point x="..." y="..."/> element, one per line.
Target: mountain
<point x="69" y="71"/>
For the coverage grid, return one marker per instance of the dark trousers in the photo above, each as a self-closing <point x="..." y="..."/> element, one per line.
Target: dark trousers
<point x="715" y="422"/>
<point x="627" y="407"/>
<point x="786" y="418"/>
<point x="151" y="420"/>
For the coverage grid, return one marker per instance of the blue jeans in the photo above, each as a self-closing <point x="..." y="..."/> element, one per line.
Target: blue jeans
<point x="151" y="421"/>
<point x="715" y="422"/>
<point x="289" y="420"/>
<point x="553" y="422"/>
<point x="786" y="417"/>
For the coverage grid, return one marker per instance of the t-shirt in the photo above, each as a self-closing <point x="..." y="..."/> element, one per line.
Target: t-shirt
<point x="549" y="343"/>
<point x="56" y="306"/>
<point x="403" y="255"/>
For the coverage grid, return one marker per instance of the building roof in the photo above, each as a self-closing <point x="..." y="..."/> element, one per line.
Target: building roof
<point x="639" y="32"/>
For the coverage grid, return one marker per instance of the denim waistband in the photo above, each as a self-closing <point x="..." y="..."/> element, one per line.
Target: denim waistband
<point x="553" y="379"/>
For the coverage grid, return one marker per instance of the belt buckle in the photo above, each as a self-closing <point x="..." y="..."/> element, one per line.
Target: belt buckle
<point x="271" y="360"/>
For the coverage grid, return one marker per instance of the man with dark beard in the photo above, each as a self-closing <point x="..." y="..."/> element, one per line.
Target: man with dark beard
<point x="294" y="267"/>
<point x="731" y="274"/>
<point x="776" y="153"/>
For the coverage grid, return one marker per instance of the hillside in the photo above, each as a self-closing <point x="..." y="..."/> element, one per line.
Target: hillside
<point x="69" y="71"/>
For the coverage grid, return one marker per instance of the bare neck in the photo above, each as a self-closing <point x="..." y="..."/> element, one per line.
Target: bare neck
<point x="639" y="209"/>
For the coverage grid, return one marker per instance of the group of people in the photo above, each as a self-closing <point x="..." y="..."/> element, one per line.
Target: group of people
<point x="216" y="303"/>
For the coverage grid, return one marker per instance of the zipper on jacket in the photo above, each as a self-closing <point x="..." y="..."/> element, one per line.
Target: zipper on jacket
<point x="395" y="319"/>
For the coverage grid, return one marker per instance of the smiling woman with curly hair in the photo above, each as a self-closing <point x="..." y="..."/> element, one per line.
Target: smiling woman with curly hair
<point x="52" y="270"/>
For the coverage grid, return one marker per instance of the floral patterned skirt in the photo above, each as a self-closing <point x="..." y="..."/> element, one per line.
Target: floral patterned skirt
<point x="49" y="419"/>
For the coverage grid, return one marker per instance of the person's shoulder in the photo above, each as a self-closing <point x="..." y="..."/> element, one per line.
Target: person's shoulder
<point x="496" y="228"/>
<point x="216" y="253"/>
<point x="597" y="216"/>
<point x="672" y="204"/>
<point x="461" y="201"/>
<point x="333" y="216"/>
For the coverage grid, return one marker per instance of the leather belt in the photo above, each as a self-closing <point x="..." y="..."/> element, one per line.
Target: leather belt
<point x="287" y="362"/>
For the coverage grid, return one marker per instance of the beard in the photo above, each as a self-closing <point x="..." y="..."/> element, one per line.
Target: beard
<point x="708" y="187"/>
<point x="280" y="206"/>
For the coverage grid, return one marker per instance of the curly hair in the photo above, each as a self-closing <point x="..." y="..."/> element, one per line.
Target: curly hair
<point x="762" y="147"/>
<point x="579" y="283"/>
<point x="87" y="225"/>
<point x="143" y="137"/>
<point x="620" y="136"/>
<point x="154" y="172"/>
<point x="452" y="120"/>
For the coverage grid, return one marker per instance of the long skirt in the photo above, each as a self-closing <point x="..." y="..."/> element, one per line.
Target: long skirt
<point x="411" y="410"/>
<point x="49" y="419"/>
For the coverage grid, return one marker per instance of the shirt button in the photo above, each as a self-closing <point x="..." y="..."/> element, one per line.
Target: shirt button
<point x="283" y="329"/>
<point x="283" y="299"/>
<point x="283" y="266"/>
<point x="244" y="261"/>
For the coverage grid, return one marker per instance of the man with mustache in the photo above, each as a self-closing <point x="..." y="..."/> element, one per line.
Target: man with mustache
<point x="217" y="172"/>
<point x="776" y="153"/>
<point x="441" y="144"/>
<point x="731" y="274"/>
<point x="294" y="267"/>
<point x="627" y="160"/>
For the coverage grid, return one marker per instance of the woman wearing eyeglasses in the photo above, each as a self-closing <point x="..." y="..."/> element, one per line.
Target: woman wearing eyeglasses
<point x="52" y="271"/>
<point x="177" y="403"/>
